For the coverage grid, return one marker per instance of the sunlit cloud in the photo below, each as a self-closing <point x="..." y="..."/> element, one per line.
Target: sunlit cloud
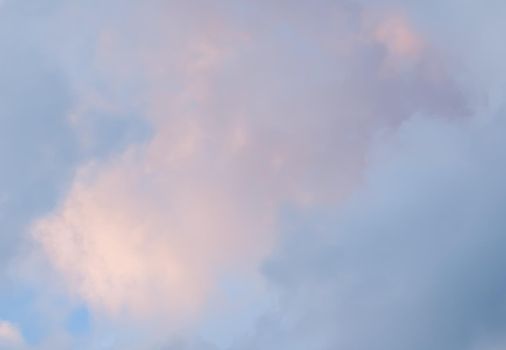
<point x="10" y="336"/>
<point x="160" y="158"/>
<point x="235" y="138"/>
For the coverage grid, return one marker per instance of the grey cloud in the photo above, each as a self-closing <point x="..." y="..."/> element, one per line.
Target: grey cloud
<point x="39" y="145"/>
<point x="36" y="145"/>
<point x="414" y="261"/>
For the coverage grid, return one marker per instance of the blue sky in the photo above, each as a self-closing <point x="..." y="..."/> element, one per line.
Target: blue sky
<point x="244" y="175"/>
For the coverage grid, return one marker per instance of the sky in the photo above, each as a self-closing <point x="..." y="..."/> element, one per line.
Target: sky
<point x="246" y="175"/>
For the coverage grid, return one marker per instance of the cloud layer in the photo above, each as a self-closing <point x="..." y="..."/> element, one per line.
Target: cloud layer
<point x="246" y="118"/>
<point x="344" y="156"/>
<point x="413" y="261"/>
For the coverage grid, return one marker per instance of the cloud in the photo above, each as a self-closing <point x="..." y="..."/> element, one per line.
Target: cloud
<point x="399" y="39"/>
<point x="412" y="261"/>
<point x="37" y="150"/>
<point x="247" y="116"/>
<point x="245" y="110"/>
<point x="10" y="336"/>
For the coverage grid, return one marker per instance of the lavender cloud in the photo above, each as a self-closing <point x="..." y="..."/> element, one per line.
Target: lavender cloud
<point x="247" y="109"/>
<point x="245" y="117"/>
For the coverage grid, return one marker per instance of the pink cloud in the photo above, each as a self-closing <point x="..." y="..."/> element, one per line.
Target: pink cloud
<point x="245" y="122"/>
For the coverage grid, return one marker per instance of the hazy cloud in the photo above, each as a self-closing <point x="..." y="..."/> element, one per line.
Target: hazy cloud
<point x="10" y="337"/>
<point x="161" y="152"/>
<point x="246" y="117"/>
<point x="413" y="261"/>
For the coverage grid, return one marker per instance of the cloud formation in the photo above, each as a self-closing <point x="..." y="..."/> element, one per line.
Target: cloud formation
<point x="356" y="146"/>
<point x="413" y="261"/>
<point x="246" y="118"/>
<point x="10" y="337"/>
